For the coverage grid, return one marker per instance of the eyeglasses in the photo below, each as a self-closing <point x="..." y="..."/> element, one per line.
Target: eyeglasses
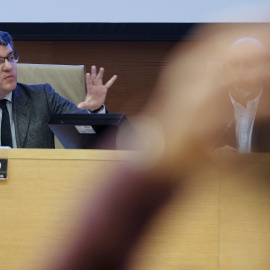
<point x="12" y="58"/>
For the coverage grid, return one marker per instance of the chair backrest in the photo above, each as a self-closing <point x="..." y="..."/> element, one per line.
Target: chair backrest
<point x="67" y="80"/>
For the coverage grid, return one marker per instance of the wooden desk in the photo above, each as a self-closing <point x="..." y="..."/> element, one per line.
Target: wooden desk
<point x="36" y="199"/>
<point x="221" y="221"/>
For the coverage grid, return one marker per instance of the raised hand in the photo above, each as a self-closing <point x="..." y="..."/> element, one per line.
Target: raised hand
<point x="96" y="90"/>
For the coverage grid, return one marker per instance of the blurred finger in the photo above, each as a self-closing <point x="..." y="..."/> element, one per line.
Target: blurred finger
<point x="88" y="78"/>
<point x="100" y="73"/>
<point x="111" y="81"/>
<point x="93" y="72"/>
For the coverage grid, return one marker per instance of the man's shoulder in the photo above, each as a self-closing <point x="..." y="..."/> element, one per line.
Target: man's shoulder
<point x="34" y="87"/>
<point x="34" y="90"/>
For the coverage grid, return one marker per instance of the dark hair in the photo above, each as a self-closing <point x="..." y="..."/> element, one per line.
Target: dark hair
<point x="5" y="39"/>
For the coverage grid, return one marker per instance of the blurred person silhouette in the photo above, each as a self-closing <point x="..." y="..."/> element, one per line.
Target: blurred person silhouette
<point x="179" y="140"/>
<point x="247" y="93"/>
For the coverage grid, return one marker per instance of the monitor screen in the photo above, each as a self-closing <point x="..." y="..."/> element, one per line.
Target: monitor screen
<point x="92" y="131"/>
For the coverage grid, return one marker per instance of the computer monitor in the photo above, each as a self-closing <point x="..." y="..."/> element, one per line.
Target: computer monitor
<point x="92" y="131"/>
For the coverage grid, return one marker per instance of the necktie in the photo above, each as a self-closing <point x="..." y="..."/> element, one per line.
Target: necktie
<point x="6" y="139"/>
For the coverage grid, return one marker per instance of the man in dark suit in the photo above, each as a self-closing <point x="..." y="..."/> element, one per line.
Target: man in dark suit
<point x="246" y="98"/>
<point x="31" y="107"/>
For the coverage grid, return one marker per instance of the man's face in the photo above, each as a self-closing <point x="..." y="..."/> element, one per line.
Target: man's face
<point x="244" y="69"/>
<point x="8" y="72"/>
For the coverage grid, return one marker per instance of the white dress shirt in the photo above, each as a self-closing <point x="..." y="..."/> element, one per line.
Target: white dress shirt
<point x="244" y="121"/>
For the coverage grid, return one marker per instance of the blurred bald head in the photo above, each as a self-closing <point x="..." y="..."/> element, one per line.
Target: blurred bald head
<point x="246" y="49"/>
<point x="245" y="68"/>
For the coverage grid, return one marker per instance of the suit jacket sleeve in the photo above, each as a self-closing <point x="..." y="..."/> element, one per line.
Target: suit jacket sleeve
<point x="33" y="107"/>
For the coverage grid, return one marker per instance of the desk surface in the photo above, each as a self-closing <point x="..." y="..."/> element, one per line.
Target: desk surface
<point x="65" y="154"/>
<point x="222" y="220"/>
<point x="41" y="196"/>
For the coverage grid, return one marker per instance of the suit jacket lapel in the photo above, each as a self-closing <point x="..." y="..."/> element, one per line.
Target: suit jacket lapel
<point x="261" y="129"/>
<point x="21" y="114"/>
<point x="227" y="136"/>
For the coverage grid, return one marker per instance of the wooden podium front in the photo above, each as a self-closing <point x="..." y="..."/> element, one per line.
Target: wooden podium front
<point x="38" y="200"/>
<point x="220" y="221"/>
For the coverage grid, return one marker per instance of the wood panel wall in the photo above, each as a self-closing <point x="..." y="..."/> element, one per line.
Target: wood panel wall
<point x="137" y="64"/>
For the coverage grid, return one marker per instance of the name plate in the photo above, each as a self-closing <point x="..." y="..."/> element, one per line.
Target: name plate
<point x="4" y="154"/>
<point x="3" y="169"/>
